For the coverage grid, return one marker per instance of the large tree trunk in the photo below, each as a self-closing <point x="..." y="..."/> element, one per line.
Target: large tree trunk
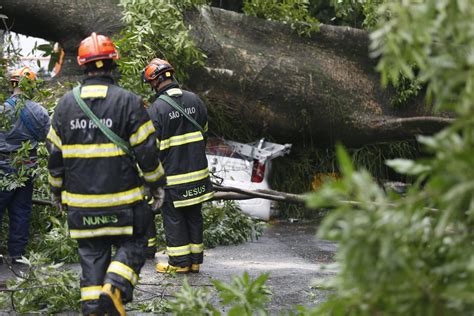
<point x="260" y="74"/>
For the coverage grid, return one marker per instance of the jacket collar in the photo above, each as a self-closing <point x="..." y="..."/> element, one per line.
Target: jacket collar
<point x="166" y="88"/>
<point x="103" y="79"/>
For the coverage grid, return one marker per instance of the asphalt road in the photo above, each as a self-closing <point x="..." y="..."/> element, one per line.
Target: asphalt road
<point x="294" y="258"/>
<point x="289" y="252"/>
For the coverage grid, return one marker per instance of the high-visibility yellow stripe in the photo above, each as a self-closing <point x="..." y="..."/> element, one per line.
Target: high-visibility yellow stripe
<point x="155" y="174"/>
<point x="94" y="91"/>
<point x="206" y="127"/>
<point x="102" y="200"/>
<point x="193" y="201"/>
<point x="99" y="232"/>
<point x="54" y="138"/>
<point x="181" y="140"/>
<point x="142" y="133"/>
<point x="55" y="182"/>
<point x="124" y="271"/>
<point x="92" y="151"/>
<point x="178" y="251"/>
<point x="188" y="177"/>
<point x="90" y="292"/>
<point x="196" y="248"/>
<point x="151" y="242"/>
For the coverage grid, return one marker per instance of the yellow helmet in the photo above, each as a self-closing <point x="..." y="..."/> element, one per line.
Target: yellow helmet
<point x="17" y="74"/>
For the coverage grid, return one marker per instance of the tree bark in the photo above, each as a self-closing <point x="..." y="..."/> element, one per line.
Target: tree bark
<point x="260" y="77"/>
<point x="316" y="90"/>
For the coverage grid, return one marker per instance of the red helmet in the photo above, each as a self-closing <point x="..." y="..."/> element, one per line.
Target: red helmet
<point x="157" y="68"/>
<point x="96" y="47"/>
<point x="17" y="74"/>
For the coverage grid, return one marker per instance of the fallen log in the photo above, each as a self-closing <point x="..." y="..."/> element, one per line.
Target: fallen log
<point x="232" y="193"/>
<point x="43" y="202"/>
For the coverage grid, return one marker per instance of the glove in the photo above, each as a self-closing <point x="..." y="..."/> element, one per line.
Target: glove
<point x="56" y="199"/>
<point x="158" y="199"/>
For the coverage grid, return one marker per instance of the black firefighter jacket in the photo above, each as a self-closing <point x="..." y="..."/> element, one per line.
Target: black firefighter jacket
<point x="97" y="180"/>
<point x="182" y="146"/>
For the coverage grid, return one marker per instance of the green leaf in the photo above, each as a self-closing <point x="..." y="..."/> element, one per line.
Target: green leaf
<point x="410" y="167"/>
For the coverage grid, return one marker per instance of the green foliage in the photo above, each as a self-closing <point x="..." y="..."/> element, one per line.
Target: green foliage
<point x="53" y="240"/>
<point x="293" y="12"/>
<point x="155" y="28"/>
<point x="45" y="288"/>
<point x="190" y="301"/>
<point x="12" y="181"/>
<point x="227" y="225"/>
<point x="157" y="306"/>
<point x="354" y="12"/>
<point x="406" y="90"/>
<point x="247" y="297"/>
<point x="412" y="255"/>
<point x="242" y="297"/>
<point x="435" y="37"/>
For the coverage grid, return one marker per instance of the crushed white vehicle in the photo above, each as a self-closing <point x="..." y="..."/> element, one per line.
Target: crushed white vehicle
<point x="245" y="166"/>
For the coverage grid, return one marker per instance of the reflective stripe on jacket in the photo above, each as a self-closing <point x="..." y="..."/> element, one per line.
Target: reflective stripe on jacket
<point x="182" y="146"/>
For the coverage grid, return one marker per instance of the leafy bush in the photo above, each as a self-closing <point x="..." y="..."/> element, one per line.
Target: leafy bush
<point x="227" y="225"/>
<point x="294" y="12"/>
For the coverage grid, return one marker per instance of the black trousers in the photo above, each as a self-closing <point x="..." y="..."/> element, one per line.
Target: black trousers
<point x="19" y="205"/>
<point x="184" y="234"/>
<point x="121" y="270"/>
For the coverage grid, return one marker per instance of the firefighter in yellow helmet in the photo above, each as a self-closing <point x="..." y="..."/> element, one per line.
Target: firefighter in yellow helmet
<point x="94" y="174"/>
<point x="182" y="149"/>
<point x="23" y="121"/>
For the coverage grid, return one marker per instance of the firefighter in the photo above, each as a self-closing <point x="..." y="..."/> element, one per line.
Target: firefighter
<point x="98" y="180"/>
<point x="182" y="150"/>
<point x="22" y="121"/>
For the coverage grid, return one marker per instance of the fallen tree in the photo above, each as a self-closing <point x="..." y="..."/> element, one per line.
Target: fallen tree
<point x="259" y="74"/>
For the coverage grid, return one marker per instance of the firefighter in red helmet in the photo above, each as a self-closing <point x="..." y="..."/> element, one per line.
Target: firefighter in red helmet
<point x="180" y="119"/>
<point x="94" y="174"/>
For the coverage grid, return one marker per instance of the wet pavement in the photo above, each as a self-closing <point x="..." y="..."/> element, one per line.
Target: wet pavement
<point x="294" y="258"/>
<point x="289" y="252"/>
